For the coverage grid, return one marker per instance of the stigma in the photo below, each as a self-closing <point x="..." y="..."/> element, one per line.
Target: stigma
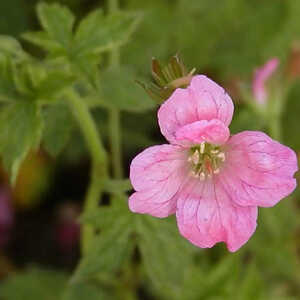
<point x="205" y="160"/>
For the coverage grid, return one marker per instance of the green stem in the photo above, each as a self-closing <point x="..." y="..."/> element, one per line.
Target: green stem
<point x="114" y="114"/>
<point x="115" y="144"/>
<point x="275" y="128"/>
<point x="98" y="171"/>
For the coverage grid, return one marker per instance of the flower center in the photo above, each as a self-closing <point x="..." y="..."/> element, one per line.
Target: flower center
<point x="206" y="160"/>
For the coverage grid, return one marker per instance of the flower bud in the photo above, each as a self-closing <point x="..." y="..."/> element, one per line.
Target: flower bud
<point x="167" y="79"/>
<point x="261" y="76"/>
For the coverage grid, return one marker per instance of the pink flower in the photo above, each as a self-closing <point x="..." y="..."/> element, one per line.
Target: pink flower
<point x="212" y="181"/>
<point x="261" y="75"/>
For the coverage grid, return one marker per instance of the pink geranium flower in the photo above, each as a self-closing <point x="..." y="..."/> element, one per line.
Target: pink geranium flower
<point x="212" y="181"/>
<point x="261" y="75"/>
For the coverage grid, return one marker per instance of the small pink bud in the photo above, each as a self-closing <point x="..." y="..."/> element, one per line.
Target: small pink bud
<point x="261" y="75"/>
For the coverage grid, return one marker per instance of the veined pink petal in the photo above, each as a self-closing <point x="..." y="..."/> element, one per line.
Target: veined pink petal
<point x="157" y="175"/>
<point x="261" y="75"/>
<point x="213" y="131"/>
<point x="258" y="170"/>
<point x="203" y="99"/>
<point x="206" y="215"/>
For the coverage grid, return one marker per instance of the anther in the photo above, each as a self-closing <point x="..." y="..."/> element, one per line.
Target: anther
<point x="195" y="157"/>
<point x="202" y="147"/>
<point x="214" y="151"/>
<point x="221" y="155"/>
<point x="217" y="171"/>
<point x="202" y="176"/>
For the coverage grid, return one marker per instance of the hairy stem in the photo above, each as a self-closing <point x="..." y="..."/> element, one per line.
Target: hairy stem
<point x="114" y="113"/>
<point x="98" y="171"/>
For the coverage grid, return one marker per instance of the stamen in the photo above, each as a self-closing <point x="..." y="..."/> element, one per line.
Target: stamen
<point x="214" y="151"/>
<point x="205" y="160"/>
<point x="195" y="157"/>
<point x="202" y="147"/>
<point x="217" y="171"/>
<point x="202" y="176"/>
<point x="221" y="155"/>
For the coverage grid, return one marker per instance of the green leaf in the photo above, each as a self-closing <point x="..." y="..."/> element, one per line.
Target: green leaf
<point x="117" y="186"/>
<point x="34" y="284"/>
<point x="113" y="246"/>
<point x="166" y="255"/>
<point x="20" y="130"/>
<point x="119" y="90"/>
<point x="8" y="90"/>
<point x="43" y="40"/>
<point x="54" y="83"/>
<point x="102" y="217"/>
<point x="11" y="47"/>
<point x="57" y="130"/>
<point x="203" y="281"/>
<point x="58" y="21"/>
<point x="97" y="33"/>
<point x="86" y="291"/>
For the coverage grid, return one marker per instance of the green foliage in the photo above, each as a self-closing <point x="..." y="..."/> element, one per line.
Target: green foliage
<point x="165" y="254"/>
<point x="57" y="21"/>
<point x="81" y="291"/>
<point x="34" y="284"/>
<point x="20" y="130"/>
<point x="95" y="33"/>
<point x="98" y="33"/>
<point x="133" y="256"/>
<point x="113" y="245"/>
<point x="58" y="127"/>
<point x="119" y="87"/>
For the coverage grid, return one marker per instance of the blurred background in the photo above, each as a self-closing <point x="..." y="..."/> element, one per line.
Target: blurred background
<point x="227" y="40"/>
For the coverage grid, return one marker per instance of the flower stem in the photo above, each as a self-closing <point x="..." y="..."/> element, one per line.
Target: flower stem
<point x="115" y="137"/>
<point x="98" y="171"/>
<point x="114" y="113"/>
<point x="275" y="128"/>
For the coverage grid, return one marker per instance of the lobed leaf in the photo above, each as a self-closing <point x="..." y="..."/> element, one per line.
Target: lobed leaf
<point x="8" y="91"/>
<point x="20" y="130"/>
<point x="58" y="127"/>
<point x="166" y="255"/>
<point x="9" y="46"/>
<point x="97" y="33"/>
<point x="119" y="90"/>
<point x="58" y="21"/>
<point x="113" y="246"/>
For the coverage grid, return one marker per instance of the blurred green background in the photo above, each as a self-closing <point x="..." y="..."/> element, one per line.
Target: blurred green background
<point x="226" y="40"/>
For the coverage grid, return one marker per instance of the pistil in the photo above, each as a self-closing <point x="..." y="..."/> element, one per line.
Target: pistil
<point x="206" y="160"/>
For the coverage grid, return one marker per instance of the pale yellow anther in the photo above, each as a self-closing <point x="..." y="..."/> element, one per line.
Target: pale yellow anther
<point x="217" y="171"/>
<point x="202" y="147"/>
<point x="221" y="155"/>
<point x="195" y="157"/>
<point x="214" y="151"/>
<point x="202" y="176"/>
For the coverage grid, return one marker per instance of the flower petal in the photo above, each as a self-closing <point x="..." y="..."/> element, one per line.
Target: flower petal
<point x="157" y="174"/>
<point x="258" y="170"/>
<point x="213" y="131"/>
<point x="203" y="99"/>
<point x="206" y="215"/>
